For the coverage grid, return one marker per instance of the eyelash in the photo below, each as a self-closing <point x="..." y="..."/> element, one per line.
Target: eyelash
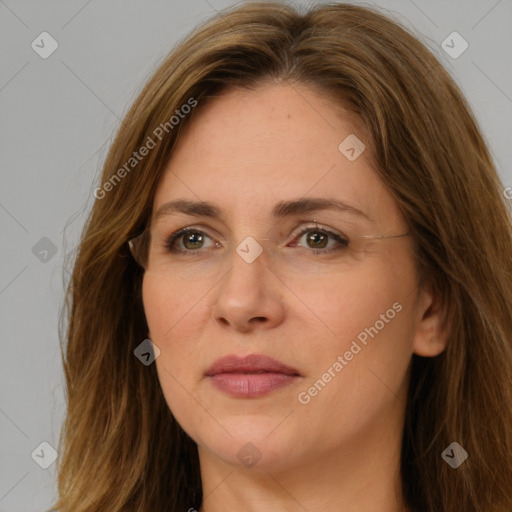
<point x="343" y="242"/>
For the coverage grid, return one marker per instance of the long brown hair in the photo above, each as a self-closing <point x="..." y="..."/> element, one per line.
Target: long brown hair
<point x="121" y="448"/>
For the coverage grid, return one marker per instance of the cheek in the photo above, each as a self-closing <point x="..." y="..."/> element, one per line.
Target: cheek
<point x="343" y="304"/>
<point x="175" y="316"/>
<point x="367" y="317"/>
<point x="357" y="377"/>
<point x="176" y="313"/>
<point x="169" y="304"/>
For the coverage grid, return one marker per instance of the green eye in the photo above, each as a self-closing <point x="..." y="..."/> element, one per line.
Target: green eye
<point x="192" y="240"/>
<point x="318" y="239"/>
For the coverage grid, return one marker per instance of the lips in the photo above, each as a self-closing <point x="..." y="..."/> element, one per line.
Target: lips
<point x="252" y="376"/>
<point x="253" y="363"/>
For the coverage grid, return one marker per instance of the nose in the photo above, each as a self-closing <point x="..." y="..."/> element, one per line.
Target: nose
<point x="248" y="297"/>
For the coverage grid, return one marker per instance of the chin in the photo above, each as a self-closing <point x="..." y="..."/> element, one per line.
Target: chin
<point x="240" y="436"/>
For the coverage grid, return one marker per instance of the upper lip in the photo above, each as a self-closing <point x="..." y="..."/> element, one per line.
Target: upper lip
<point x="253" y="363"/>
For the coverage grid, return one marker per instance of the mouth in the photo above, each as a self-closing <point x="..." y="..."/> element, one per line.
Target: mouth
<point x="251" y="376"/>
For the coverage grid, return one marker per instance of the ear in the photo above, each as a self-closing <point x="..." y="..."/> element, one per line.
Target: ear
<point x="431" y="332"/>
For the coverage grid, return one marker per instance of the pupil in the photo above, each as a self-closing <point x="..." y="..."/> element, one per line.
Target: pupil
<point x="194" y="239"/>
<point x="318" y="239"/>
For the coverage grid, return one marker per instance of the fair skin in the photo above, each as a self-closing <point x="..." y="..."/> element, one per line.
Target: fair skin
<point x="245" y="152"/>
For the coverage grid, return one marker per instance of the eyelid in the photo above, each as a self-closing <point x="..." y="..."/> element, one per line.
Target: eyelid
<point x="297" y="231"/>
<point x="195" y="227"/>
<point x="310" y="226"/>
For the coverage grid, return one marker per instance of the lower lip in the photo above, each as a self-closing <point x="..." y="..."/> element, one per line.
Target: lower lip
<point x="250" y="385"/>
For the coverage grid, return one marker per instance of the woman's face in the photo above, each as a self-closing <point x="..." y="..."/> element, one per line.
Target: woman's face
<point x="260" y="274"/>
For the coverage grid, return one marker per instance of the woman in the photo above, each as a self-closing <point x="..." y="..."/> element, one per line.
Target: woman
<point x="293" y="289"/>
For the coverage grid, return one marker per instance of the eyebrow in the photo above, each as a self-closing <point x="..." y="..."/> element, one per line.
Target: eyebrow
<point x="281" y="209"/>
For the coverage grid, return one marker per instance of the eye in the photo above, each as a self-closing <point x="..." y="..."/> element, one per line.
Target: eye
<point x="189" y="240"/>
<point x="192" y="241"/>
<point x="317" y="239"/>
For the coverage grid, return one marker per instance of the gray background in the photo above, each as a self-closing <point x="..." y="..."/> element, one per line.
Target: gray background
<point x="57" y="118"/>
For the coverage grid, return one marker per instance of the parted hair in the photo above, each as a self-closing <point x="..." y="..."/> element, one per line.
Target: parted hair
<point x="120" y="447"/>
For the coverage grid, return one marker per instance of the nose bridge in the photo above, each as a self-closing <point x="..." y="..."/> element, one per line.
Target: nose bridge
<point x="246" y="278"/>
<point x="246" y="293"/>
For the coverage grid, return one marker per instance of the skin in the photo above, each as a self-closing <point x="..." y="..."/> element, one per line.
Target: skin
<point x="245" y="151"/>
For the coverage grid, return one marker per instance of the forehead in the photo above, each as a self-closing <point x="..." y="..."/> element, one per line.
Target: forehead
<point x="248" y="149"/>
